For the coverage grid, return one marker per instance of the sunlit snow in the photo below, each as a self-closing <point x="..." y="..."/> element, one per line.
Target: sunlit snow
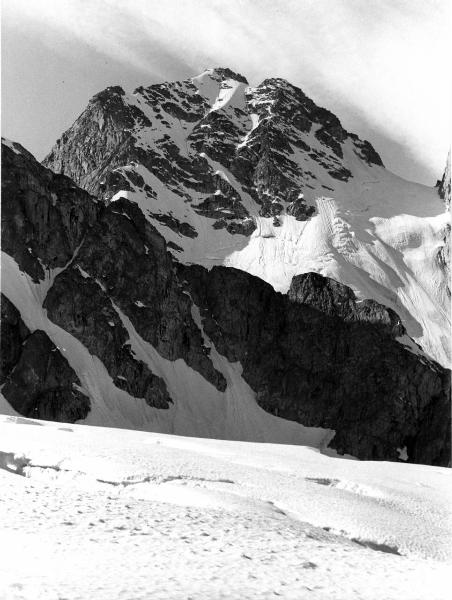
<point x="111" y="514"/>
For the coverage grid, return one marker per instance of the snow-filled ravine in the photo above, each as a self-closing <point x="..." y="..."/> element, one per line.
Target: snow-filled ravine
<point x="99" y="513"/>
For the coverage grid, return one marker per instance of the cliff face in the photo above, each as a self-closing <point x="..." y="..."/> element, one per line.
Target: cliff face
<point x="35" y="377"/>
<point x="45" y="216"/>
<point x="109" y="321"/>
<point x="317" y="357"/>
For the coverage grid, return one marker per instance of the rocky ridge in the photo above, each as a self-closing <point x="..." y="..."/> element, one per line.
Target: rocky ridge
<point x="178" y="131"/>
<point x="34" y="375"/>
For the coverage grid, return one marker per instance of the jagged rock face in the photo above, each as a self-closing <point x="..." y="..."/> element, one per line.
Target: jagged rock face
<point x="337" y="300"/>
<point x="124" y="262"/>
<point x="44" y="215"/>
<point x="316" y="357"/>
<point x="36" y="379"/>
<point x="80" y="307"/>
<point x="118" y="260"/>
<point x="175" y="131"/>
<point x="13" y="335"/>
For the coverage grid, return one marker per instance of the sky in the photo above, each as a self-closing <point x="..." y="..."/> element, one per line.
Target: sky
<point x="382" y="66"/>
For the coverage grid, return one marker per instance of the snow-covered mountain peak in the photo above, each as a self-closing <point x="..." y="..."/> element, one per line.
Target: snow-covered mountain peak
<point x="265" y="180"/>
<point x="222" y="88"/>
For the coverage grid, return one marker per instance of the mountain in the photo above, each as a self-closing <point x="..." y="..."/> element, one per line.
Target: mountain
<point x="101" y="323"/>
<point x="210" y="259"/>
<point x="264" y="180"/>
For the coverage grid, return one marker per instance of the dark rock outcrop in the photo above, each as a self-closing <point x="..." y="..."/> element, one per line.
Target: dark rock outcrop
<point x="119" y="259"/>
<point x="82" y="308"/>
<point x="125" y="262"/>
<point x="44" y="216"/>
<point x="36" y="378"/>
<point x="337" y="300"/>
<point x="316" y="357"/>
<point x="13" y="335"/>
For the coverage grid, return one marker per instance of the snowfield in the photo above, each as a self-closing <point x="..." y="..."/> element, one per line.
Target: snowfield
<point x="97" y="513"/>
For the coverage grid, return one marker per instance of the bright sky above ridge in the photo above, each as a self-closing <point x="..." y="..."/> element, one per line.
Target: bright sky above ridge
<point x="380" y="65"/>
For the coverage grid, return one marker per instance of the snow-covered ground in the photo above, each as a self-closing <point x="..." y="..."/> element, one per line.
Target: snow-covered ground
<point x="94" y="513"/>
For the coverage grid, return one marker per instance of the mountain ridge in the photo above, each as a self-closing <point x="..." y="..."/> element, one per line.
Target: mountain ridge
<point x="262" y="179"/>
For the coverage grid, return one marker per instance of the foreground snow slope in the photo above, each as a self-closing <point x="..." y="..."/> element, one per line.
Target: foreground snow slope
<point x="120" y="514"/>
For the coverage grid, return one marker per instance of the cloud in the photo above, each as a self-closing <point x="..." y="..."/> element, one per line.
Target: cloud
<point x="385" y="60"/>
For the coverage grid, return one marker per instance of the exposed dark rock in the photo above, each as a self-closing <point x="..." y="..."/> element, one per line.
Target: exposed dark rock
<point x="225" y="73"/>
<point x="222" y="207"/>
<point x="13" y="334"/>
<point x="174" y="246"/>
<point x="444" y="251"/>
<point x="129" y="258"/>
<point x="123" y="260"/>
<point x="80" y="306"/>
<point x="99" y="140"/>
<point x="366" y="151"/>
<point x="36" y="379"/>
<point x="342" y="173"/>
<point x="318" y="358"/>
<point x="245" y="227"/>
<point x="443" y="255"/>
<point x="298" y="209"/>
<point x="175" y="225"/>
<point x="337" y="300"/>
<point x="44" y="216"/>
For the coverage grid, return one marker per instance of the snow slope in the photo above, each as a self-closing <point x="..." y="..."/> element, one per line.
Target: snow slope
<point x="118" y="514"/>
